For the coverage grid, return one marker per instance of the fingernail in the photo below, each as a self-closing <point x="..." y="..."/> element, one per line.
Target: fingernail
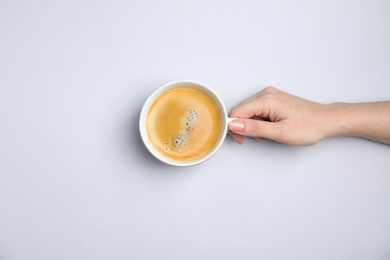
<point x="236" y="125"/>
<point x="261" y="139"/>
<point x="240" y="142"/>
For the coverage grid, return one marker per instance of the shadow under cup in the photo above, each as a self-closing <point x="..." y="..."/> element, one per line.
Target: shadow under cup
<point x="190" y="161"/>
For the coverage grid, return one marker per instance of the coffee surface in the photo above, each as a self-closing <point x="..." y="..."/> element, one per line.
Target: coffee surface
<point x="183" y="123"/>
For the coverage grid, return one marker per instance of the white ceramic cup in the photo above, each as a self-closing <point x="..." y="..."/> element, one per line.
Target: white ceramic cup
<point x="184" y="83"/>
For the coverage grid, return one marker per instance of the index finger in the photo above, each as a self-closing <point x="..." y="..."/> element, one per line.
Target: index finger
<point x="253" y="108"/>
<point x="264" y="91"/>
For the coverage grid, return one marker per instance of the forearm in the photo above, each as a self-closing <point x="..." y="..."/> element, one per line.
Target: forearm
<point x="367" y="120"/>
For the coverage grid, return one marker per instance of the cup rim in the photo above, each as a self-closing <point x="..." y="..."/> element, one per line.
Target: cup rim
<point x="157" y="93"/>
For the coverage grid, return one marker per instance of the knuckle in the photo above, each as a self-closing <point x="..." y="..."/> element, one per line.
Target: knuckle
<point x="270" y="89"/>
<point x="283" y="135"/>
<point x="268" y="96"/>
<point x="268" y="99"/>
<point x="254" y="128"/>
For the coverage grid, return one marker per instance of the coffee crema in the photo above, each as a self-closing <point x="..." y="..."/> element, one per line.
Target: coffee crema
<point x="183" y="123"/>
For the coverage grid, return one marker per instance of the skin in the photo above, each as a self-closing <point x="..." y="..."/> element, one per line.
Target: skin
<point x="285" y="118"/>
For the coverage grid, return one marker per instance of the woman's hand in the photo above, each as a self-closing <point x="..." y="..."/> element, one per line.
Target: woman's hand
<point x="280" y="116"/>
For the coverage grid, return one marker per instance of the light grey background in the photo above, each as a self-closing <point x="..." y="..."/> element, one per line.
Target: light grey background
<point x="77" y="183"/>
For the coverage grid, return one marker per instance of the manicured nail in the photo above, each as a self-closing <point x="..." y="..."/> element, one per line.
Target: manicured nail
<point x="236" y="125"/>
<point x="261" y="139"/>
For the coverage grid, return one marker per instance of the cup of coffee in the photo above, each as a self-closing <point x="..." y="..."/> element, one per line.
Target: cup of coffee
<point x="183" y="123"/>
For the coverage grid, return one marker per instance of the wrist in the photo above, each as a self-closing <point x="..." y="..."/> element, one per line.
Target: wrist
<point x="367" y="120"/>
<point x="336" y="120"/>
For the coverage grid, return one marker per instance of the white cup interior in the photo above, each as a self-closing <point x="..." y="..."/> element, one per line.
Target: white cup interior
<point x="161" y="90"/>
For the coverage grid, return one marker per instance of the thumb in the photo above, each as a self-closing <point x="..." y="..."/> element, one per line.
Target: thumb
<point x="255" y="128"/>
